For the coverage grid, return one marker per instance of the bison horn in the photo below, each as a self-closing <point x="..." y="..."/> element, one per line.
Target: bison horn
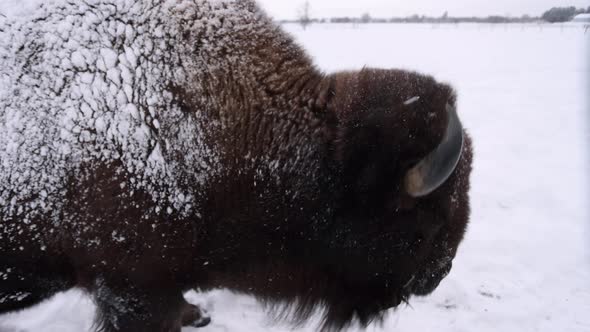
<point x="432" y="171"/>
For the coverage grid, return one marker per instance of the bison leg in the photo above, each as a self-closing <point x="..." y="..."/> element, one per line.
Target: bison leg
<point x="126" y="307"/>
<point x="25" y="283"/>
<point x="194" y="316"/>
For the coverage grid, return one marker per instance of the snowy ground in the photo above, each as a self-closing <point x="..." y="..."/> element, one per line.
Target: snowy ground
<point x="524" y="96"/>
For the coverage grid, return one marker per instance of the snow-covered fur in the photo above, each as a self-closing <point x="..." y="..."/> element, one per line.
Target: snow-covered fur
<point x="103" y="80"/>
<point x="151" y="146"/>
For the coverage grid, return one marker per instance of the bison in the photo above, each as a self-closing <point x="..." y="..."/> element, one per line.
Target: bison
<point x="149" y="147"/>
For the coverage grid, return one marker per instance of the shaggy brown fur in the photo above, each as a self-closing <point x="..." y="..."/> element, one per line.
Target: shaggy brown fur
<point x="306" y="206"/>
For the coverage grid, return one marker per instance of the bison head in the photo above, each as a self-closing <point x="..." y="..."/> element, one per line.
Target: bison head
<point x="403" y="162"/>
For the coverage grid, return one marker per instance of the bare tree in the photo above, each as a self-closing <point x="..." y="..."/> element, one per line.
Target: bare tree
<point x="304" y="15"/>
<point x="559" y="14"/>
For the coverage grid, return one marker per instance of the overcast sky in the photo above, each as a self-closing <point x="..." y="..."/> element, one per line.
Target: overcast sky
<point x="287" y="9"/>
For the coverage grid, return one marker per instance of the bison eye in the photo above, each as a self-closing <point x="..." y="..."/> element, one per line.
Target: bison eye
<point x="414" y="243"/>
<point x="405" y="203"/>
<point x="418" y="238"/>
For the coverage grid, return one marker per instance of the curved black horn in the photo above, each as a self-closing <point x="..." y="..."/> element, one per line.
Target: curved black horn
<point x="432" y="171"/>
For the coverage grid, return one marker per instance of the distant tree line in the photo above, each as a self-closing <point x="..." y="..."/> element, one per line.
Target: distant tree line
<point x="556" y="14"/>
<point x="429" y="19"/>
<point x="415" y="19"/>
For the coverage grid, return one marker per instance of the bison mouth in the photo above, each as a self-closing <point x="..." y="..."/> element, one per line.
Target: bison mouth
<point x="427" y="280"/>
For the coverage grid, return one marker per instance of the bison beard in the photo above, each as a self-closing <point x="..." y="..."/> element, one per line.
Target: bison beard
<point x="148" y="147"/>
